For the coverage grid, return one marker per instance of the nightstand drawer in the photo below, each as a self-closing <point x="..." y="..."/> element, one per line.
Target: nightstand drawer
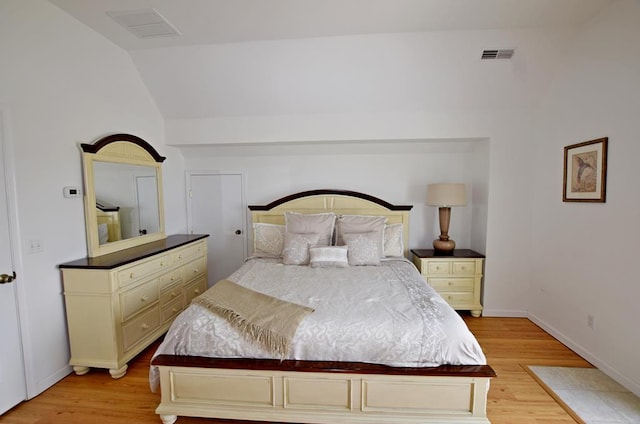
<point x="452" y="284"/>
<point x="464" y="267"/>
<point x="438" y="268"/>
<point x="455" y="299"/>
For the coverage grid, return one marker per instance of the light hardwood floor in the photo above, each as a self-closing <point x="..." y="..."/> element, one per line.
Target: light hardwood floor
<point x="509" y="343"/>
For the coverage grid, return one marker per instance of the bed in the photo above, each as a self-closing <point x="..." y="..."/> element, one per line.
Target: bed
<point x="352" y="358"/>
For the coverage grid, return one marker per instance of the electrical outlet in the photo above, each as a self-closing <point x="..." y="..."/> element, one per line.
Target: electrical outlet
<point x="591" y="321"/>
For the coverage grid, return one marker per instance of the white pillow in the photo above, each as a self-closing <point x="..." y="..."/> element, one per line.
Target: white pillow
<point x="319" y="223"/>
<point x="268" y="239"/>
<point x="361" y="224"/>
<point x="362" y="248"/>
<point x="393" y="245"/>
<point x="296" y="248"/>
<point x="328" y="257"/>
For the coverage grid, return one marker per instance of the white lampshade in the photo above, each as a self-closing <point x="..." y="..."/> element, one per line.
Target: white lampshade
<point x="449" y="194"/>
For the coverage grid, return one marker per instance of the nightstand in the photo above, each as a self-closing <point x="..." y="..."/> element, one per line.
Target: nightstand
<point x="457" y="277"/>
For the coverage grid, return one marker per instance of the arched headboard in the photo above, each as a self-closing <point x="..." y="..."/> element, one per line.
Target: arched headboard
<point x="340" y="202"/>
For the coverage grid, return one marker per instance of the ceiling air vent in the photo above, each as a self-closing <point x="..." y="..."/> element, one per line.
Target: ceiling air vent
<point x="497" y="54"/>
<point x="144" y="23"/>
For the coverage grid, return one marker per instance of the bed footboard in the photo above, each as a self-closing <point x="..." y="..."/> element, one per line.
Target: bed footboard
<point x="322" y="393"/>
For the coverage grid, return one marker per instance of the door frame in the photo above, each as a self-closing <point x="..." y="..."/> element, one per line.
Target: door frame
<point x="190" y="173"/>
<point x="11" y="193"/>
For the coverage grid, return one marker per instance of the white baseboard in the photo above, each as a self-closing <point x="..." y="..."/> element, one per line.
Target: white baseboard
<point x="595" y="361"/>
<point x="44" y="384"/>
<point x="504" y="313"/>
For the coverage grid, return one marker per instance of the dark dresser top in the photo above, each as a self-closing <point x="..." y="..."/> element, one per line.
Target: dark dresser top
<point x="123" y="257"/>
<point x="457" y="253"/>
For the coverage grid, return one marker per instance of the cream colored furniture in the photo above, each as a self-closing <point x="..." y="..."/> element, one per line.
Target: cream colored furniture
<point x="322" y="392"/>
<point x="117" y="304"/>
<point x="457" y="277"/>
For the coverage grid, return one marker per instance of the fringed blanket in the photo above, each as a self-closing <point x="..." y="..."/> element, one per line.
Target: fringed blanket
<point x="263" y="319"/>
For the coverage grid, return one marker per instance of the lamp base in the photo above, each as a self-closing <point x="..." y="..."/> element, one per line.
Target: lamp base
<point x="444" y="245"/>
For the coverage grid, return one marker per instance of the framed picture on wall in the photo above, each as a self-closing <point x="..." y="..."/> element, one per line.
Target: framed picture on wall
<point x="585" y="171"/>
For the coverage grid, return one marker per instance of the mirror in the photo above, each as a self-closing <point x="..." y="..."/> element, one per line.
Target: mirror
<point x="123" y="194"/>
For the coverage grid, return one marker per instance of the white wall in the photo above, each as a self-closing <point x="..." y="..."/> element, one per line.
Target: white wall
<point x="584" y="254"/>
<point x="393" y="171"/>
<point x="62" y="85"/>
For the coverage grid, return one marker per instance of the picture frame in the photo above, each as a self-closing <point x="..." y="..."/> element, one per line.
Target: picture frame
<point x="585" y="171"/>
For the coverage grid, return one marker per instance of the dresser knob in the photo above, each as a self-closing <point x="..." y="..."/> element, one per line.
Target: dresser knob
<point x="144" y="298"/>
<point x="131" y="275"/>
<point x="145" y="326"/>
<point x="174" y="310"/>
<point x="174" y="294"/>
<point x="195" y="270"/>
<point x="197" y="291"/>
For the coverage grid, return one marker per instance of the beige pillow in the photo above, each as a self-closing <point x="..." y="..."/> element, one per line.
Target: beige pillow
<point x="393" y="245"/>
<point x="268" y="239"/>
<point x="296" y="248"/>
<point x="362" y="248"/>
<point x="361" y="224"/>
<point x="319" y="223"/>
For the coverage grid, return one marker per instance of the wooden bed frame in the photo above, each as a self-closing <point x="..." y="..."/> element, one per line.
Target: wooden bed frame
<point x="322" y="392"/>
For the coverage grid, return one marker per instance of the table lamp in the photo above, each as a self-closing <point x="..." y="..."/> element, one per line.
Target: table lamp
<point x="445" y="196"/>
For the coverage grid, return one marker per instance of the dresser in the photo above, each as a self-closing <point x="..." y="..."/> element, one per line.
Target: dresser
<point x="118" y="304"/>
<point x="456" y="277"/>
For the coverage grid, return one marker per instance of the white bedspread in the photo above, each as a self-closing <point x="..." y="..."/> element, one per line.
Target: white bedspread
<point x="378" y="314"/>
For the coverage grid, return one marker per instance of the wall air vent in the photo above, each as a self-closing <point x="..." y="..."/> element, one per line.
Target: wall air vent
<point x="497" y="54"/>
<point x="144" y="23"/>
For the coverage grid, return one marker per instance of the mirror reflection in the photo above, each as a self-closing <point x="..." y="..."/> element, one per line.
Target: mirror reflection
<point x="127" y="203"/>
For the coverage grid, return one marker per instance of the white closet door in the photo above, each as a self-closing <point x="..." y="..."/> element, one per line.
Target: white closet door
<point x="12" y="378"/>
<point x="216" y="208"/>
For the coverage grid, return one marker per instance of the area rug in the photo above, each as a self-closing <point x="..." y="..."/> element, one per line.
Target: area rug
<point x="588" y="395"/>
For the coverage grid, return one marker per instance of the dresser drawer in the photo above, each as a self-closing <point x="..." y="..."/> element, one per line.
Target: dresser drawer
<point x="172" y="309"/>
<point x="194" y="289"/>
<point x="142" y="270"/>
<point x="194" y="269"/>
<point x="170" y="294"/>
<point x="139" y="327"/>
<point x="170" y="279"/>
<point x="199" y="249"/>
<point x="452" y="284"/>
<point x="456" y="298"/>
<point x="139" y="298"/>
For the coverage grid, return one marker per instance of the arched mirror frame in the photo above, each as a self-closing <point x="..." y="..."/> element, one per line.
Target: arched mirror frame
<point x="119" y="149"/>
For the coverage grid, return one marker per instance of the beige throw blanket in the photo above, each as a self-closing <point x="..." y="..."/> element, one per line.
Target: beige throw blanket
<point x="264" y="319"/>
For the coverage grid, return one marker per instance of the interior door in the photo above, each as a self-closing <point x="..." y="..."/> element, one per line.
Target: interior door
<point x="147" y="197"/>
<point x="216" y="208"/>
<point x="12" y="378"/>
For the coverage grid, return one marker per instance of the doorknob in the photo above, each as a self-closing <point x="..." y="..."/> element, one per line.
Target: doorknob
<point x="238" y="232"/>
<point x="5" y="278"/>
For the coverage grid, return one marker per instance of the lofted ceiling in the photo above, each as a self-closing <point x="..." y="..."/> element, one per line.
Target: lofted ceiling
<point x="248" y="60"/>
<point x="225" y="21"/>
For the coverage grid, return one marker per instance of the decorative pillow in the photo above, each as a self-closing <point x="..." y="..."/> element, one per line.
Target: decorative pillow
<point x="328" y="257"/>
<point x="361" y="224"/>
<point x="296" y="248"/>
<point x="268" y="239"/>
<point x="362" y="248"/>
<point x="319" y="223"/>
<point x="393" y="245"/>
